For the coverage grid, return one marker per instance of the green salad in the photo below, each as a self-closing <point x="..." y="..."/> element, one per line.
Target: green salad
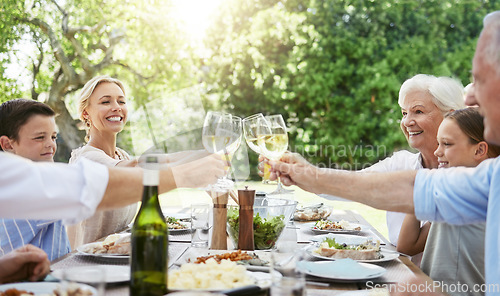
<point x="333" y="244"/>
<point x="265" y="230"/>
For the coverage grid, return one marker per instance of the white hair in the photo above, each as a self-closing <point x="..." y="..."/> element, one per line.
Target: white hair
<point x="491" y="50"/>
<point x="447" y="93"/>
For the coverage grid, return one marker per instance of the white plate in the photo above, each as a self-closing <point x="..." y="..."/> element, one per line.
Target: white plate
<point x="192" y="253"/>
<point x="83" y="274"/>
<point x="345" y="231"/>
<point x="187" y="225"/>
<point x="82" y="250"/>
<point x="180" y="216"/>
<point x="344" y="269"/>
<point x="43" y="288"/>
<point x="343" y="238"/>
<point x="262" y="280"/>
<point x="387" y="255"/>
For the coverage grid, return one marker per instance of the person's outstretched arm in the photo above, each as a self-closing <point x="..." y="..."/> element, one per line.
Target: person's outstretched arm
<point x="125" y="184"/>
<point x="391" y="191"/>
<point x="32" y="190"/>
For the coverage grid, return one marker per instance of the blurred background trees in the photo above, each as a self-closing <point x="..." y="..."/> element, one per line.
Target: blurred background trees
<point x="333" y="68"/>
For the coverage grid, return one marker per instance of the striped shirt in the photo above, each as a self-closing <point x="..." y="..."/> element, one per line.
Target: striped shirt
<point x="48" y="235"/>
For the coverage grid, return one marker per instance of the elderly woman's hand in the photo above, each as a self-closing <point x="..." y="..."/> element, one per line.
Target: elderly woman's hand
<point x="25" y="263"/>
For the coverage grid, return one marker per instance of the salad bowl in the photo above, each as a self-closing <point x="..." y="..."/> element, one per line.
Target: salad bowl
<point x="270" y="216"/>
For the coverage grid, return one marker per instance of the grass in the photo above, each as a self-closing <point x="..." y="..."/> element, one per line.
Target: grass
<point x="183" y="198"/>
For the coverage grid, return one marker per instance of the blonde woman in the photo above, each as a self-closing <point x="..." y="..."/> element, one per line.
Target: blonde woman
<point x="103" y="108"/>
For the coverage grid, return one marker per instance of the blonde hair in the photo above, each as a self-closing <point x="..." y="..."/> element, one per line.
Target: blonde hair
<point x="87" y="90"/>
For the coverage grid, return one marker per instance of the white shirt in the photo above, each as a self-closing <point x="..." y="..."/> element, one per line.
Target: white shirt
<point x="32" y="190"/>
<point x="399" y="161"/>
<point x="102" y="223"/>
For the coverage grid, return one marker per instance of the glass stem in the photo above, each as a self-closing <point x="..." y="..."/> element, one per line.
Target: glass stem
<point x="278" y="179"/>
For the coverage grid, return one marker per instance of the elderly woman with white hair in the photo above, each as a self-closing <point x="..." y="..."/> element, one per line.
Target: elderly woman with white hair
<point x="424" y="100"/>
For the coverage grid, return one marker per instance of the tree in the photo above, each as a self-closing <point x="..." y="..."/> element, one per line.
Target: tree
<point x="333" y="68"/>
<point x="136" y="41"/>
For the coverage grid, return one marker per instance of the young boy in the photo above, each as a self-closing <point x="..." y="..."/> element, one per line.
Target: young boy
<point x="28" y="129"/>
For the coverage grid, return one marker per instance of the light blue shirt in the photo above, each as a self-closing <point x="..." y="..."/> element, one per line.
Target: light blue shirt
<point x="48" y="235"/>
<point x="460" y="196"/>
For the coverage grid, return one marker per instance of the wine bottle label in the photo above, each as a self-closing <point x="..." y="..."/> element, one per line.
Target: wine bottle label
<point x="151" y="178"/>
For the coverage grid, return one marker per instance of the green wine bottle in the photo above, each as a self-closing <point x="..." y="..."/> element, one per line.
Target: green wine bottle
<point x="148" y="269"/>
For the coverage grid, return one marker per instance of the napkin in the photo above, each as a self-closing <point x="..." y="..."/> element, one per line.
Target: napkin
<point x="339" y="268"/>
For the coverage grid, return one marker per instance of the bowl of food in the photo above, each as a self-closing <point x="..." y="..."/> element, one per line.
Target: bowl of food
<point x="270" y="216"/>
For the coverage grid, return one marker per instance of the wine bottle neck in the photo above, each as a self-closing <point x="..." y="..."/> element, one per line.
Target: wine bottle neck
<point x="150" y="192"/>
<point x="151" y="177"/>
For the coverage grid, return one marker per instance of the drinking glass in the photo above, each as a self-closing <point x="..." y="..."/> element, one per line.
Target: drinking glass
<point x="222" y="135"/>
<point x="199" y="225"/>
<point x="287" y="276"/>
<point x="273" y="143"/>
<point x="252" y="126"/>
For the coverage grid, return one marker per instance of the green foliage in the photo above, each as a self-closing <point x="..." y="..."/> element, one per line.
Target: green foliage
<point x="333" y="68"/>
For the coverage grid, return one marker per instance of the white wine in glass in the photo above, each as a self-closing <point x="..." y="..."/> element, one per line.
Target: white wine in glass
<point x="252" y="127"/>
<point x="222" y="135"/>
<point x="274" y="144"/>
<point x="215" y="144"/>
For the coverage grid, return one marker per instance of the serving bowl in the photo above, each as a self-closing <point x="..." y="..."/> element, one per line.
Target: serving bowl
<point x="270" y="216"/>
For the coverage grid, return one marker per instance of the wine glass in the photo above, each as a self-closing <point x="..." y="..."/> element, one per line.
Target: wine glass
<point x="214" y="136"/>
<point x="274" y="144"/>
<point x="222" y="135"/>
<point x="253" y="125"/>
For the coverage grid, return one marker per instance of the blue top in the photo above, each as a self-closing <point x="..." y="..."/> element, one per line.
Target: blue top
<point x="460" y="196"/>
<point x="48" y="235"/>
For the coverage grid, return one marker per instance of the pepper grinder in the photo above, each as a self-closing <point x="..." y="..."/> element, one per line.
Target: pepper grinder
<point x="245" y="234"/>
<point x="219" y="236"/>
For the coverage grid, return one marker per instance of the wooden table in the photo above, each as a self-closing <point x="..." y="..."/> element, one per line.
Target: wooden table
<point x="398" y="270"/>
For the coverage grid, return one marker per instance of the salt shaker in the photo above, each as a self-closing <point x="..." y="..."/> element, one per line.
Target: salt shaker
<point x="219" y="236"/>
<point x="245" y="234"/>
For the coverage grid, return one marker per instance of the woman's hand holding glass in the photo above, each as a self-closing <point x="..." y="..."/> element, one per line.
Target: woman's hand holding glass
<point x="222" y="135"/>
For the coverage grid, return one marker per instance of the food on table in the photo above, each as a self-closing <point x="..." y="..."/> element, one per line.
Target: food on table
<point x="312" y="213"/>
<point x="366" y="251"/>
<point x="210" y="275"/>
<point x="174" y="223"/>
<point x="233" y="256"/>
<point x="237" y="256"/>
<point x="15" y="292"/>
<point x="72" y="290"/>
<point x="118" y="244"/>
<point x="266" y="231"/>
<point x="331" y="225"/>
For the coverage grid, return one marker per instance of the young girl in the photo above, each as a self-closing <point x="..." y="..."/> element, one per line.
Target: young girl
<point x="28" y="129"/>
<point x="453" y="253"/>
